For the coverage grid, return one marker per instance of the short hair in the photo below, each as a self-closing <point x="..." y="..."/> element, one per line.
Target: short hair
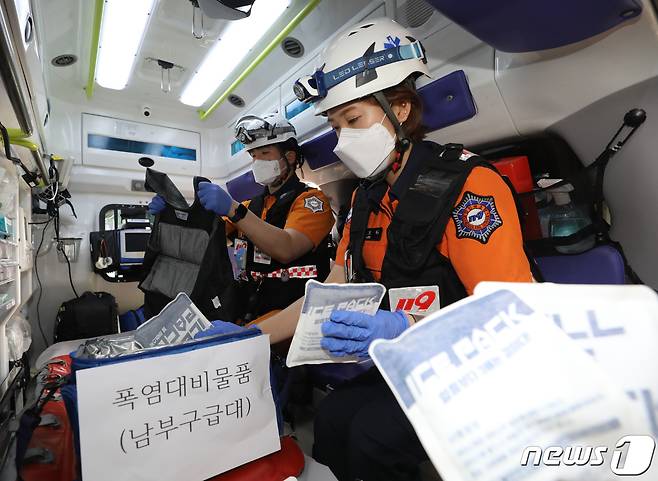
<point x="292" y="145"/>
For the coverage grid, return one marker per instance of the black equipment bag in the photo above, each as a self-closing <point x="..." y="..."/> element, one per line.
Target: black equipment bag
<point x="90" y="315"/>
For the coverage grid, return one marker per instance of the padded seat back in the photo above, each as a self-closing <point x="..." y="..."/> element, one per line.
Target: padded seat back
<point x="244" y="187"/>
<point x="601" y="265"/>
<point x="530" y="25"/>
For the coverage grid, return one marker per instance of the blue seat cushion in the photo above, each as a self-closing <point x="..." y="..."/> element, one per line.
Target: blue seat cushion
<point x="447" y="101"/>
<point x="319" y="152"/>
<point x="244" y="187"/>
<point x="601" y="265"/>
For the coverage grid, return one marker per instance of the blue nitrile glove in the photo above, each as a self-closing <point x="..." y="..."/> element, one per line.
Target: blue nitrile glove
<point x="350" y="333"/>
<point x="157" y="205"/>
<point x="222" y="327"/>
<point x="214" y="198"/>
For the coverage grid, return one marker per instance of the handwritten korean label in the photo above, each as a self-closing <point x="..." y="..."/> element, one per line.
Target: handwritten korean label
<point x="166" y="418"/>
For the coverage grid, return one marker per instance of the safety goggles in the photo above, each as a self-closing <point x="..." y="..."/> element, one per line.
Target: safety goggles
<point x="251" y="128"/>
<point x="312" y="88"/>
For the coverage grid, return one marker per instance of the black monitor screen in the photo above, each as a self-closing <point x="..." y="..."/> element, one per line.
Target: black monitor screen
<point x="136" y="242"/>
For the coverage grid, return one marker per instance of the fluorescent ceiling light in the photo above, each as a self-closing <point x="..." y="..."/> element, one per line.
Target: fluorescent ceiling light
<point x="122" y="31"/>
<point x="234" y="44"/>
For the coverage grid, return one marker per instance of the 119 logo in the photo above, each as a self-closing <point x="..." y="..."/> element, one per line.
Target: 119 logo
<point x="420" y="300"/>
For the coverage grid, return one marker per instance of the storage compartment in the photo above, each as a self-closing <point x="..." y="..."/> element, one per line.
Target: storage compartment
<point x="10" y="278"/>
<point x="532" y="161"/>
<point x="116" y="143"/>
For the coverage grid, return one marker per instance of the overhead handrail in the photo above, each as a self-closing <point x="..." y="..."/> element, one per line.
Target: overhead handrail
<point x="11" y="78"/>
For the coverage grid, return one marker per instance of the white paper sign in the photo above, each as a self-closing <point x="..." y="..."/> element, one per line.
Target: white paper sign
<point x="185" y="416"/>
<point x="319" y="302"/>
<point x="488" y="377"/>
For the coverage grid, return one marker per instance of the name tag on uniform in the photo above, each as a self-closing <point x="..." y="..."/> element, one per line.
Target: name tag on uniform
<point x="240" y="254"/>
<point x="417" y="301"/>
<point x="374" y="234"/>
<point x="260" y="257"/>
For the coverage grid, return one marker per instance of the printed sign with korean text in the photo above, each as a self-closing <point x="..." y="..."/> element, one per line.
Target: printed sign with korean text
<point x="189" y="415"/>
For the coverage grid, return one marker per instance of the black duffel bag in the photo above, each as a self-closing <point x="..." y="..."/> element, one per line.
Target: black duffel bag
<point x="90" y="315"/>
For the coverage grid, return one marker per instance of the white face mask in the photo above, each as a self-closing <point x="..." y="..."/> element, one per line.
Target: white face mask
<point x="365" y="151"/>
<point x="266" y="172"/>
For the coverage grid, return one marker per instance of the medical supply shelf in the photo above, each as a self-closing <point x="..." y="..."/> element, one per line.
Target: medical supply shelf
<point x="7" y="305"/>
<point x="15" y="254"/>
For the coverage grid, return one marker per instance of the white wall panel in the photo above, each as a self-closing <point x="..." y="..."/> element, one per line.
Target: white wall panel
<point x="142" y="132"/>
<point x="451" y="49"/>
<point x="542" y="88"/>
<point x="54" y="275"/>
<point x="631" y="177"/>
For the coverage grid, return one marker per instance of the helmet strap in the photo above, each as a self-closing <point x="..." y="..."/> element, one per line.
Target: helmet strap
<point x="403" y="141"/>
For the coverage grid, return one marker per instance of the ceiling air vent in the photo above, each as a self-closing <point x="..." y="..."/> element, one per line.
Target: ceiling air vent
<point x="292" y="47"/>
<point x="236" y="100"/>
<point x="64" y="60"/>
<point x="414" y="13"/>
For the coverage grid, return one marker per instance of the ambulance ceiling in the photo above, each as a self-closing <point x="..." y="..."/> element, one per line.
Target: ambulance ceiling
<point x="65" y="28"/>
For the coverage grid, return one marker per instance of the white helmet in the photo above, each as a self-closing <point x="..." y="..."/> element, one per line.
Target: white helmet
<point x="254" y="131"/>
<point x="360" y="61"/>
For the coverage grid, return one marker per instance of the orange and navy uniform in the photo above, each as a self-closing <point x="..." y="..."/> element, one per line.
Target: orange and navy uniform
<point x="482" y="239"/>
<point x="309" y="214"/>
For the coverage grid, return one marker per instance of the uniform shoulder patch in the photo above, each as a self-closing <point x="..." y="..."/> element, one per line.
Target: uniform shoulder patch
<point x="476" y="217"/>
<point x="314" y="204"/>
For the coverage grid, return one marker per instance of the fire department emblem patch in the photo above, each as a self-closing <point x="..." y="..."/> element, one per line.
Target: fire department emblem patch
<point x="313" y="204"/>
<point x="476" y="217"/>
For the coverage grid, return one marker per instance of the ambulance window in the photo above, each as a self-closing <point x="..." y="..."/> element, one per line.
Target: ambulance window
<point x="103" y="142"/>
<point x="124" y="230"/>
<point x="294" y="108"/>
<point x="121" y="216"/>
<point x="236" y="147"/>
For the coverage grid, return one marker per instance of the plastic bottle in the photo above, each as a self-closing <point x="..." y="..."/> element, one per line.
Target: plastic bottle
<point x="567" y="219"/>
<point x="544" y="201"/>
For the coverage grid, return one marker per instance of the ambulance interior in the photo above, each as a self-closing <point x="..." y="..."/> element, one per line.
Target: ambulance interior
<point x="548" y="80"/>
